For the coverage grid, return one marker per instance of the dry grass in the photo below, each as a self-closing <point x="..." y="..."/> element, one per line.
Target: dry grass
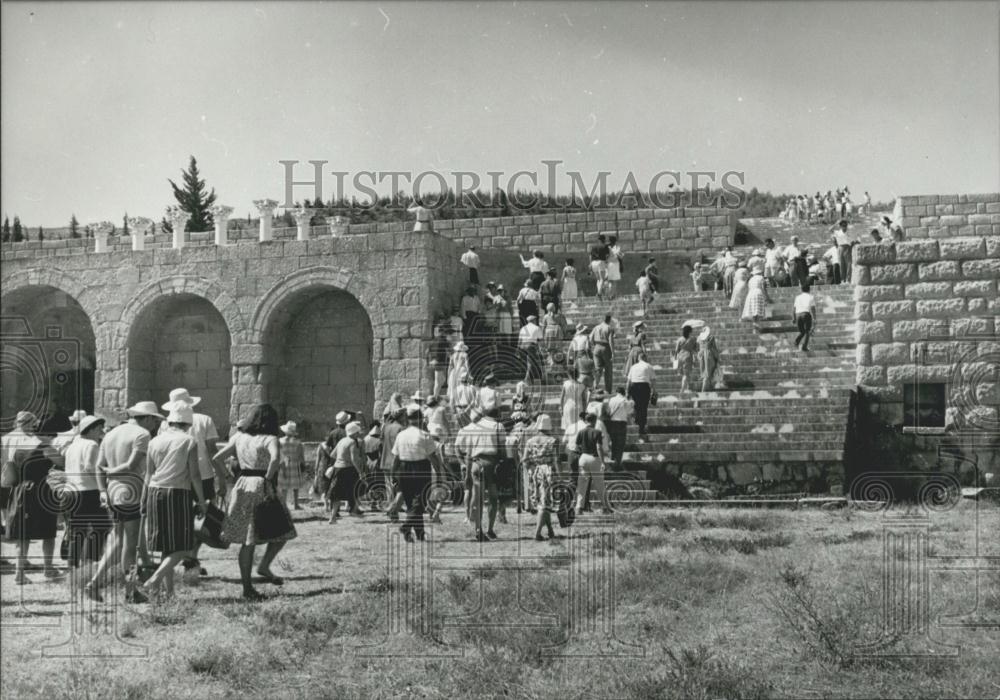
<point x="708" y="603"/>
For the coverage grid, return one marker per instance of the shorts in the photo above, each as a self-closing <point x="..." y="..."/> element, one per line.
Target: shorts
<point x="125" y="512"/>
<point x="484" y="470"/>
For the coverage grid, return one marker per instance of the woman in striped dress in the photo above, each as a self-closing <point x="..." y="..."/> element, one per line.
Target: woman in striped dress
<point x="259" y="456"/>
<point x="756" y="304"/>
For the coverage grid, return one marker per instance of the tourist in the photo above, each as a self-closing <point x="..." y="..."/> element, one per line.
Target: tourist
<point x="599" y="254"/>
<point x="173" y="483"/>
<point x="833" y="258"/>
<point x="424" y="217"/>
<point x="615" y="257"/>
<point x="590" y="445"/>
<point x="505" y="317"/>
<point x="62" y="440"/>
<point x="636" y="344"/>
<point x="471" y="306"/>
<point x="458" y="370"/>
<point x="527" y="302"/>
<point x="471" y="260"/>
<point x="897" y="233"/>
<point x="755" y="307"/>
<point x="537" y="267"/>
<point x="121" y="472"/>
<point x="792" y="253"/>
<point x="26" y="462"/>
<point x="439" y="360"/>
<point x="640" y="387"/>
<point x="438" y="492"/>
<point x="483" y="446"/>
<point x="876" y="236"/>
<point x="549" y="290"/>
<point x="371" y="446"/>
<point x="467" y="398"/>
<point x="256" y="515"/>
<point x="617" y="412"/>
<point x="804" y="313"/>
<point x="755" y="261"/>
<point x="653" y="275"/>
<point x="845" y="243"/>
<point x="435" y="415"/>
<point x="527" y="343"/>
<point x="541" y="464"/>
<point x="487" y="398"/>
<point x="740" y="280"/>
<point x="572" y="401"/>
<point x="645" y="286"/>
<point x="773" y="262"/>
<point x="345" y="472"/>
<point x="699" y="278"/>
<point x="729" y="265"/>
<point x="491" y="317"/>
<point x="87" y="523"/>
<point x="600" y="340"/>
<point x="818" y="273"/>
<point x="205" y="435"/>
<point x="553" y="329"/>
<point x="291" y="473"/>
<point x="866" y="206"/>
<point x="801" y="266"/>
<point x="579" y="346"/>
<point x="326" y="455"/>
<point x="568" y="281"/>
<point x="520" y="400"/>
<point x="455" y="324"/>
<point x="460" y="446"/>
<point x="685" y="351"/>
<point x="394" y="424"/>
<point x="511" y="460"/>
<point x="709" y="355"/>
<point x="415" y="454"/>
<point x="394" y="404"/>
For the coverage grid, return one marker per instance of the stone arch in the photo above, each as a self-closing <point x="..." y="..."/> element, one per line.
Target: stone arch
<point x="315" y="335"/>
<point x="49" y="355"/>
<point x="180" y="332"/>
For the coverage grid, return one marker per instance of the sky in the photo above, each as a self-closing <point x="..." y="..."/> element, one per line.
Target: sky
<point x="100" y="103"/>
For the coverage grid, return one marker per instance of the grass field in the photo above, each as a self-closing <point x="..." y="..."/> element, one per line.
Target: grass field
<point x="708" y="603"/>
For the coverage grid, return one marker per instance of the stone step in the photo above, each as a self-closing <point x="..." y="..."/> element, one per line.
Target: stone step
<point x="757" y="456"/>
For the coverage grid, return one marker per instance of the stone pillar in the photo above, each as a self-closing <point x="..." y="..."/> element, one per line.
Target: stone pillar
<point x="138" y="228"/>
<point x="338" y="225"/>
<point x="138" y="240"/>
<point x="178" y="220"/>
<point x="302" y="219"/>
<point x="220" y="212"/>
<point x="266" y="208"/>
<point x="101" y="241"/>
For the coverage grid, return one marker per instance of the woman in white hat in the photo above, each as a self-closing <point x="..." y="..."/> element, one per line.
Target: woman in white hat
<point x="458" y="369"/>
<point x="256" y="515"/>
<point x="292" y="476"/>
<point x="755" y="306"/>
<point x="88" y="523"/>
<point x="172" y="473"/>
<point x="541" y="460"/>
<point x="348" y="462"/>
<point x="685" y="351"/>
<point x="636" y="345"/>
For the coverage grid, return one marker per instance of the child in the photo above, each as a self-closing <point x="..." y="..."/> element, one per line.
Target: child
<point x="645" y="291"/>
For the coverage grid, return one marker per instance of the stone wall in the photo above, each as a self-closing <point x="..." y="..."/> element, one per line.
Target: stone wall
<point x="947" y="215"/>
<point x="205" y="310"/>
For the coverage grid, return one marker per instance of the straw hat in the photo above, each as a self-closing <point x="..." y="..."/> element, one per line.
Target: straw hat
<point x="353" y="428"/>
<point x="532" y="318"/>
<point x="183" y="396"/>
<point x="705" y="333"/>
<point x="544" y="423"/>
<point x="581" y="328"/>
<point x="89" y="422"/>
<point x="413" y="410"/>
<point x="77" y="415"/>
<point x="638" y="324"/>
<point x="144" y="408"/>
<point x="180" y="413"/>
<point x="25" y="418"/>
<point x="460" y="347"/>
<point x="342" y="418"/>
<point x="290" y="429"/>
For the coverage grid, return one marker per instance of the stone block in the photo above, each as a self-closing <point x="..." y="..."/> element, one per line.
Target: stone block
<point x="863" y="311"/>
<point x="893" y="309"/>
<point x="892" y="273"/>
<point x="962" y="248"/>
<point x="942" y="270"/>
<point x="890" y="353"/>
<point x="863" y="354"/>
<point x="874" y="254"/>
<point x="903" y="374"/>
<point x="871" y="376"/>
<point x="986" y="269"/>
<point x="955" y="220"/>
<point x="944" y="308"/>
<point x="935" y="373"/>
<point x="889" y="393"/>
<point x="246" y="354"/>
<point x="919" y="329"/>
<point x="872" y="332"/>
<point x="982" y="325"/>
<point x="977" y="305"/>
<point x="916" y="251"/>
<point x="976" y="288"/>
<point x="879" y="292"/>
<point x="929" y="290"/>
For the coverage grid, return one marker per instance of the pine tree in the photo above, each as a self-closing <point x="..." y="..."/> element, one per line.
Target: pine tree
<point x="41" y="236"/>
<point x="6" y="229"/>
<point x="165" y="226"/>
<point x="17" y="235"/>
<point x="74" y="227"/>
<point x="125" y="231"/>
<point x="194" y="199"/>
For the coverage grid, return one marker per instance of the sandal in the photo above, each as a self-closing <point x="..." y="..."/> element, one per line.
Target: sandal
<point x="271" y="578"/>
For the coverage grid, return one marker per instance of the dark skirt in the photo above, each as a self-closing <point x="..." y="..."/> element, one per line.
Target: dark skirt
<point x="169" y="520"/>
<point x="32" y="512"/>
<point x="88" y="525"/>
<point x="343" y="484"/>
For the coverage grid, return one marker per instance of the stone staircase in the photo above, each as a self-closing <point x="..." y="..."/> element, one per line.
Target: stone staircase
<point x="779" y="426"/>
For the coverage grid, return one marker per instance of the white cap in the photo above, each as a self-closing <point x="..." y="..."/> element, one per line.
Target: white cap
<point x="181" y="412"/>
<point x="342" y="418"/>
<point x="353" y="428"/>
<point x="181" y="396"/>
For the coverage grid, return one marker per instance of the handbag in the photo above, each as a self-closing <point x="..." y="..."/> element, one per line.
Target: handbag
<point x="676" y="363"/>
<point x="768" y="310"/>
<point x="208" y="528"/>
<point x="653" y="398"/>
<point x="271" y="520"/>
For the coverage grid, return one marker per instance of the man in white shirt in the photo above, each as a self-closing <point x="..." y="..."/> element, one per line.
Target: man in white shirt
<point x="640" y="387"/>
<point x="844" y="242"/>
<point x="602" y="342"/>
<point x="772" y="260"/>
<point x="471" y="260"/>
<point x="205" y="435"/>
<point x="488" y="398"/>
<point x="528" y="340"/>
<point x="790" y="254"/>
<point x="617" y="409"/>
<point x="415" y="455"/>
<point x="832" y="256"/>
<point x="62" y="440"/>
<point x="804" y="312"/>
<point x="484" y="445"/>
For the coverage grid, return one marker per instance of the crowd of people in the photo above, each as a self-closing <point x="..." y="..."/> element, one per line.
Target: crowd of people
<point x="825" y="208"/>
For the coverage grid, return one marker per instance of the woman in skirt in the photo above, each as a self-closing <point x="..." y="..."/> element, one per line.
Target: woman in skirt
<point x="247" y="522"/>
<point x="685" y="351"/>
<point x="615" y="256"/>
<point x="756" y="304"/>
<point x="569" y="290"/>
<point x="345" y="472"/>
<point x="636" y="345"/>
<point x="172" y="473"/>
<point x="292" y="476"/>
<point x="87" y="522"/>
<point x="740" y="289"/>
<point x="541" y="460"/>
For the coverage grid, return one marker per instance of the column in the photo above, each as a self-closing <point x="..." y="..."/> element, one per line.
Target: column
<point x="139" y="227"/>
<point x="101" y="238"/>
<point x="266" y="208"/>
<point x="302" y="219"/>
<point x="338" y="225"/>
<point x="220" y="213"/>
<point x="178" y="220"/>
